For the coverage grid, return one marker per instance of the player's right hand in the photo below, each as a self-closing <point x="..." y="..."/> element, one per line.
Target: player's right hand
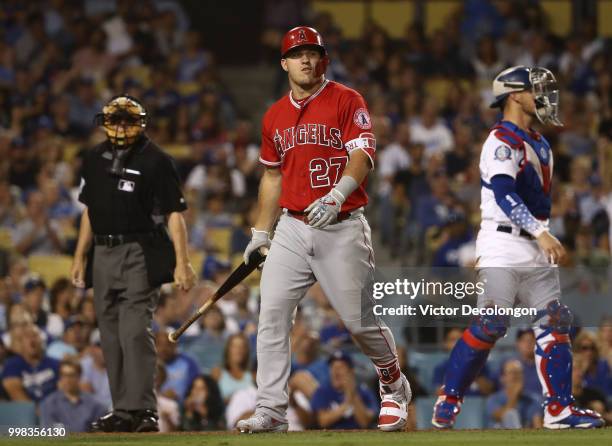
<point x="259" y="239"/>
<point x="552" y="247"/>
<point x="77" y="272"/>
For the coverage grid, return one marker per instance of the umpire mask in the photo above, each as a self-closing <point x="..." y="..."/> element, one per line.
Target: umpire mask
<point x="124" y="119"/>
<point x="546" y="94"/>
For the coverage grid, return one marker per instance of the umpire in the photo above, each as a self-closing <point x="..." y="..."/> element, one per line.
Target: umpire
<point x="131" y="190"/>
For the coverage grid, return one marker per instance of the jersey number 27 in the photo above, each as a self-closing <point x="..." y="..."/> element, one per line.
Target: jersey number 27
<point x="326" y="172"/>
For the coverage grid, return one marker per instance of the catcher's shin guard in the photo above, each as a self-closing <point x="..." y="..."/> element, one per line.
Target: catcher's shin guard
<point x="465" y="363"/>
<point x="471" y="352"/>
<point x="553" y="356"/>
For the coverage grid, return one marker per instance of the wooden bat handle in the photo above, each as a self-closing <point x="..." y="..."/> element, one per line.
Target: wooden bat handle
<point x="255" y="259"/>
<point x="173" y="337"/>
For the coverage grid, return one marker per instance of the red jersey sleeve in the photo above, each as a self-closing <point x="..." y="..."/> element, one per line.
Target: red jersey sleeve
<point x="268" y="155"/>
<point x="357" y="127"/>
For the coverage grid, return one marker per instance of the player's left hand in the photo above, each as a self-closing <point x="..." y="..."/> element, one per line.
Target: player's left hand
<point x="324" y="210"/>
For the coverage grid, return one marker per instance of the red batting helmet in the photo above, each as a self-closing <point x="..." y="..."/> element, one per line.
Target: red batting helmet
<point x="301" y="36"/>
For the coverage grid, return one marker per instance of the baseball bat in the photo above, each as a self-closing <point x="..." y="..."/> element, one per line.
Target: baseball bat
<point x="238" y="275"/>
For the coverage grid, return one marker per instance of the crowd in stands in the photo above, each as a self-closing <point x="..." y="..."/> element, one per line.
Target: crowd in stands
<point x="60" y="60"/>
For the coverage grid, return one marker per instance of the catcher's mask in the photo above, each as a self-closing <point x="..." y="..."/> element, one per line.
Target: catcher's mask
<point x="540" y="81"/>
<point x="546" y="94"/>
<point x="124" y="119"/>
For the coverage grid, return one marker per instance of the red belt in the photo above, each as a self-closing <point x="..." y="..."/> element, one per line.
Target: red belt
<point x="300" y="215"/>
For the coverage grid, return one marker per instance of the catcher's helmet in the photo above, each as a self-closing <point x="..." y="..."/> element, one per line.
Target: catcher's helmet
<point x="123" y="119"/>
<point x="303" y="36"/>
<point x="540" y="81"/>
<point x="508" y="81"/>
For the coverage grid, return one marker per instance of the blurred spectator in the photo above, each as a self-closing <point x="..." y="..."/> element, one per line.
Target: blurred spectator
<point x="235" y="371"/>
<point x="525" y="353"/>
<point x="68" y="405"/>
<point x="585" y="396"/>
<point x="344" y="404"/>
<point x="430" y="130"/>
<point x="334" y="333"/>
<point x="34" y="290"/>
<point x="84" y="105"/>
<point x="241" y="234"/>
<point x="241" y="406"/>
<point x="203" y="408"/>
<point x="482" y="385"/>
<point x="207" y="347"/>
<point x="596" y="370"/>
<point x="181" y="368"/>
<point x="37" y="233"/>
<point x="167" y="408"/>
<point x="61" y="297"/>
<point x="307" y="358"/>
<point x="604" y="339"/>
<point x="193" y="59"/>
<point x="30" y="374"/>
<point x="72" y="342"/>
<point x="392" y="159"/>
<point x="512" y="407"/>
<point x="454" y="235"/>
<point x="11" y="210"/>
<point x="94" y="378"/>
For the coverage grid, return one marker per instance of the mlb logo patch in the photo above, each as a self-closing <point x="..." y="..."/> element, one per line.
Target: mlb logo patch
<point x="126" y="186"/>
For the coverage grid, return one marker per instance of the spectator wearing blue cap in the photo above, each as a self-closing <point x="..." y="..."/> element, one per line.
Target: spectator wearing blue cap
<point x="29" y="375"/>
<point x="344" y="404"/>
<point x="72" y="342"/>
<point x="454" y="234"/>
<point x="34" y="290"/>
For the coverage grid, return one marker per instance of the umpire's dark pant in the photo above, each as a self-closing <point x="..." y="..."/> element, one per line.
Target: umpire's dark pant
<point x="125" y="303"/>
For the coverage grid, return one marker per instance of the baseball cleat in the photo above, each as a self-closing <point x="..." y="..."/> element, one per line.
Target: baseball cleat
<point x="261" y="423"/>
<point x="394" y="406"/>
<point x="445" y="411"/>
<point x="576" y="419"/>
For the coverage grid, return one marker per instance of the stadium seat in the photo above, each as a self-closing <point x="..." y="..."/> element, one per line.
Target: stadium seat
<point x="472" y="413"/>
<point x="6" y="241"/>
<point x="197" y="259"/>
<point x="219" y="239"/>
<point x="178" y="151"/>
<point x="18" y="414"/>
<point x="50" y="267"/>
<point x="425" y="364"/>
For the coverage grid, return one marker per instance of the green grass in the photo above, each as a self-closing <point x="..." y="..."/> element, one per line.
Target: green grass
<point x="335" y="438"/>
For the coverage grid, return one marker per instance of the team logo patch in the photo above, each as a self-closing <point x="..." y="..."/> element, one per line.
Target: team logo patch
<point x="126" y="186"/>
<point x="543" y="153"/>
<point x="362" y="119"/>
<point x="503" y="153"/>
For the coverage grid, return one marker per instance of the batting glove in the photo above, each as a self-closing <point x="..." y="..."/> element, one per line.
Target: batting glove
<point x="259" y="239"/>
<point x="324" y="211"/>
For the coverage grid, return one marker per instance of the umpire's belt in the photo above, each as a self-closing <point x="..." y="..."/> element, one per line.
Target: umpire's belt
<point x="112" y="240"/>
<point x="508" y="229"/>
<point x="344" y="215"/>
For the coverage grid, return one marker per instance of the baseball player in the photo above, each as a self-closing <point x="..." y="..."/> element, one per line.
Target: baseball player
<point x="516" y="252"/>
<point x="317" y="148"/>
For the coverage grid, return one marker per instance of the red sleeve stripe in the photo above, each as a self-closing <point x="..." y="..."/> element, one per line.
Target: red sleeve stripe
<point x="269" y="163"/>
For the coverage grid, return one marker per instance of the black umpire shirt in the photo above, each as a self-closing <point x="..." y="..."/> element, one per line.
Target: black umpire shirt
<point x="125" y="204"/>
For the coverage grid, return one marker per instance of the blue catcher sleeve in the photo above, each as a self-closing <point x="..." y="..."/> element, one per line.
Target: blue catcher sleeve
<point x="513" y="206"/>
